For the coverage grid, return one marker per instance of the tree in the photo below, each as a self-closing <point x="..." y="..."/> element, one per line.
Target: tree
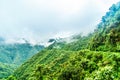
<point x="11" y="78"/>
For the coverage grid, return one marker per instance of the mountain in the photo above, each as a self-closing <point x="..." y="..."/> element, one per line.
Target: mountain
<point x="107" y="35"/>
<point x="92" y="57"/>
<point x="13" y="55"/>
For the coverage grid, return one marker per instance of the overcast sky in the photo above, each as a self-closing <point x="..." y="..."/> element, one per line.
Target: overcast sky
<point x="37" y="20"/>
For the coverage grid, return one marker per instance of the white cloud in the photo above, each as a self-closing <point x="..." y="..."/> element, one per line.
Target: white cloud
<point x="41" y="19"/>
<point x="63" y="8"/>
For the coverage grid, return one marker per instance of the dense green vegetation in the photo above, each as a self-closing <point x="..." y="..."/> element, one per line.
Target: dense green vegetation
<point x="13" y="55"/>
<point x="6" y="69"/>
<point x="70" y="65"/>
<point x="107" y="35"/>
<point x="50" y="60"/>
<point x="92" y="57"/>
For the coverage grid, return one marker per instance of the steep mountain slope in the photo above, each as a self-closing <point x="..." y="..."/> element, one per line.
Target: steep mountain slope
<point x="51" y="60"/>
<point x="17" y="53"/>
<point x="13" y="55"/>
<point x="67" y="61"/>
<point x="70" y="65"/>
<point x="107" y="35"/>
<point x="6" y="69"/>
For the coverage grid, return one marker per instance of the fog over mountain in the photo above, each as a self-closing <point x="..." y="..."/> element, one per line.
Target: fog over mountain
<point x="38" y="20"/>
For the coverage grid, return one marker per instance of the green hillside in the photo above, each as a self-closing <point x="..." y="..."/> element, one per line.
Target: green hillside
<point x="13" y="55"/>
<point x="6" y="69"/>
<point x="107" y="35"/>
<point x="50" y="60"/>
<point x="92" y="57"/>
<point x="70" y="65"/>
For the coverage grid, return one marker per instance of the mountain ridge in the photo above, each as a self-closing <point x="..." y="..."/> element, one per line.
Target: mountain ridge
<point x="13" y="55"/>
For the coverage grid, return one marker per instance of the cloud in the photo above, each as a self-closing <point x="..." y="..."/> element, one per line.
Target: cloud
<point x="41" y="19"/>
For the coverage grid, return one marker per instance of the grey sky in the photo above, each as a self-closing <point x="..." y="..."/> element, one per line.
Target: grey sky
<point x="37" y="20"/>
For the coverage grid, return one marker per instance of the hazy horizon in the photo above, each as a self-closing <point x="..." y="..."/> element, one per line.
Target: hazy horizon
<point x="38" y="20"/>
